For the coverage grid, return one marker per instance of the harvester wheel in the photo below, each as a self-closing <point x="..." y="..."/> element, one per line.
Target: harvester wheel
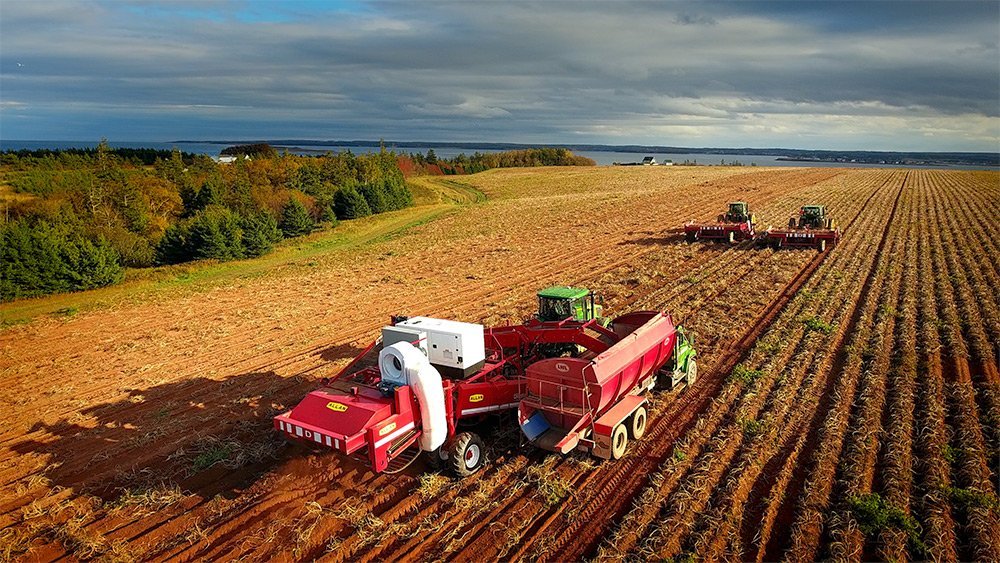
<point x="791" y="222"/>
<point x="466" y="454"/>
<point x="637" y="423"/>
<point x="619" y="441"/>
<point x="691" y="237"/>
<point x="437" y="459"/>
<point x="692" y="372"/>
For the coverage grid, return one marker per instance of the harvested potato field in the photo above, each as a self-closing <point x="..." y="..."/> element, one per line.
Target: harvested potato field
<point x="847" y="407"/>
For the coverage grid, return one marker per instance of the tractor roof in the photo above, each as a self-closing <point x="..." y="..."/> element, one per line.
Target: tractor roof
<point x="812" y="207"/>
<point x="564" y="292"/>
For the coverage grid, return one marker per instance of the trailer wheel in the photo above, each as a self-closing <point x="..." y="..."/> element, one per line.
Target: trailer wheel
<point x="466" y="454"/>
<point x="637" y="423"/>
<point x="691" y="237"/>
<point x="692" y="372"/>
<point x="619" y="441"/>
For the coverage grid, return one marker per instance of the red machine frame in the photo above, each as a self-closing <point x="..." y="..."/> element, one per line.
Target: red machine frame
<point x="723" y="231"/>
<point x="820" y="239"/>
<point x="351" y="415"/>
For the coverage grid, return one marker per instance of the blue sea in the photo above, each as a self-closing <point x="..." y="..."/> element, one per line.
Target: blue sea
<point x="601" y="157"/>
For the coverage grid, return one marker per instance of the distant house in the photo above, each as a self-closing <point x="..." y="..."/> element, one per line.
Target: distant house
<point x="229" y="159"/>
<point x="668" y="163"/>
<point x="649" y="161"/>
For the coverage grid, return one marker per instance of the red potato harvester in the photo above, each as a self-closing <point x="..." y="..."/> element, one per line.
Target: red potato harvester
<point x="412" y="389"/>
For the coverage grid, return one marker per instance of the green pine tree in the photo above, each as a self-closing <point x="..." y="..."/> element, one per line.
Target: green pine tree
<point x="349" y="204"/>
<point x="260" y="232"/>
<point x="295" y="219"/>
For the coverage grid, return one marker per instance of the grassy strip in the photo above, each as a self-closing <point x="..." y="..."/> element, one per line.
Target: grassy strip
<point x="147" y="283"/>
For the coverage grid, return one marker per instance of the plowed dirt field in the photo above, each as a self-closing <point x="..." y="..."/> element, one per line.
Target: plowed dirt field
<point x="141" y="430"/>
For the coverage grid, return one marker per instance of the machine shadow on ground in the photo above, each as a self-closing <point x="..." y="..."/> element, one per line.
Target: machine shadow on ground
<point x="204" y="435"/>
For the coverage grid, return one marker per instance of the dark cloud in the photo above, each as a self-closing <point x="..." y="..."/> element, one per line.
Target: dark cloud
<point x="750" y="74"/>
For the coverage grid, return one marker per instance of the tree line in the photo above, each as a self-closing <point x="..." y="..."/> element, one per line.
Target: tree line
<point x="430" y="163"/>
<point x="91" y="213"/>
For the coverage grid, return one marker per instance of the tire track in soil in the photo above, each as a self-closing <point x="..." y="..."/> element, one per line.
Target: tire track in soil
<point x="779" y="544"/>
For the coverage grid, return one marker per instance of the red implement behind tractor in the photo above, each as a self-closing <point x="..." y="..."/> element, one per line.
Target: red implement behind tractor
<point x="811" y="228"/>
<point x="737" y="224"/>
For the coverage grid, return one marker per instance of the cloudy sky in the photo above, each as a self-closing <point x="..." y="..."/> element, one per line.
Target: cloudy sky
<point x="879" y="76"/>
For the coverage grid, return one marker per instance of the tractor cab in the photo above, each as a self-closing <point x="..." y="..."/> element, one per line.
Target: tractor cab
<point x="813" y="217"/>
<point x="558" y="303"/>
<point x="739" y="212"/>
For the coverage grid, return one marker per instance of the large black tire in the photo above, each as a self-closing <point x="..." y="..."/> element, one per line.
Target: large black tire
<point x="637" y="423"/>
<point x="466" y="454"/>
<point x="619" y="441"/>
<point x="691" y="237"/>
<point x="791" y="223"/>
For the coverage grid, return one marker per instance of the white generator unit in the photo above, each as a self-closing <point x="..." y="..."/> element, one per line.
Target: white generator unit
<point x="455" y="348"/>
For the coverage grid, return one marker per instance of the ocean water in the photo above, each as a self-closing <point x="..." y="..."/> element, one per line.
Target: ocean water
<point x="601" y="157"/>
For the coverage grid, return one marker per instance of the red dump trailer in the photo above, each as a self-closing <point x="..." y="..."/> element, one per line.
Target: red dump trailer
<point x="413" y="389"/>
<point x="595" y="403"/>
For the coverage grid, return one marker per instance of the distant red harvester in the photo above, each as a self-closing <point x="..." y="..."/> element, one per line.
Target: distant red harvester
<point x="737" y="224"/>
<point x="810" y="228"/>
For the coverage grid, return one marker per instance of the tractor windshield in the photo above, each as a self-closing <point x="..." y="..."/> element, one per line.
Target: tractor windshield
<point x="550" y="309"/>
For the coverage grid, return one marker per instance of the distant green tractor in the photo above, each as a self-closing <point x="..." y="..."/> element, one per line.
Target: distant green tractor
<point x="559" y="302"/>
<point x="739" y="212"/>
<point x="811" y="217"/>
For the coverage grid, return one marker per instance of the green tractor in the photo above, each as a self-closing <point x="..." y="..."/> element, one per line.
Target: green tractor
<point x="560" y="302"/>
<point x="683" y="369"/>
<point x="739" y="212"/>
<point x="811" y="217"/>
